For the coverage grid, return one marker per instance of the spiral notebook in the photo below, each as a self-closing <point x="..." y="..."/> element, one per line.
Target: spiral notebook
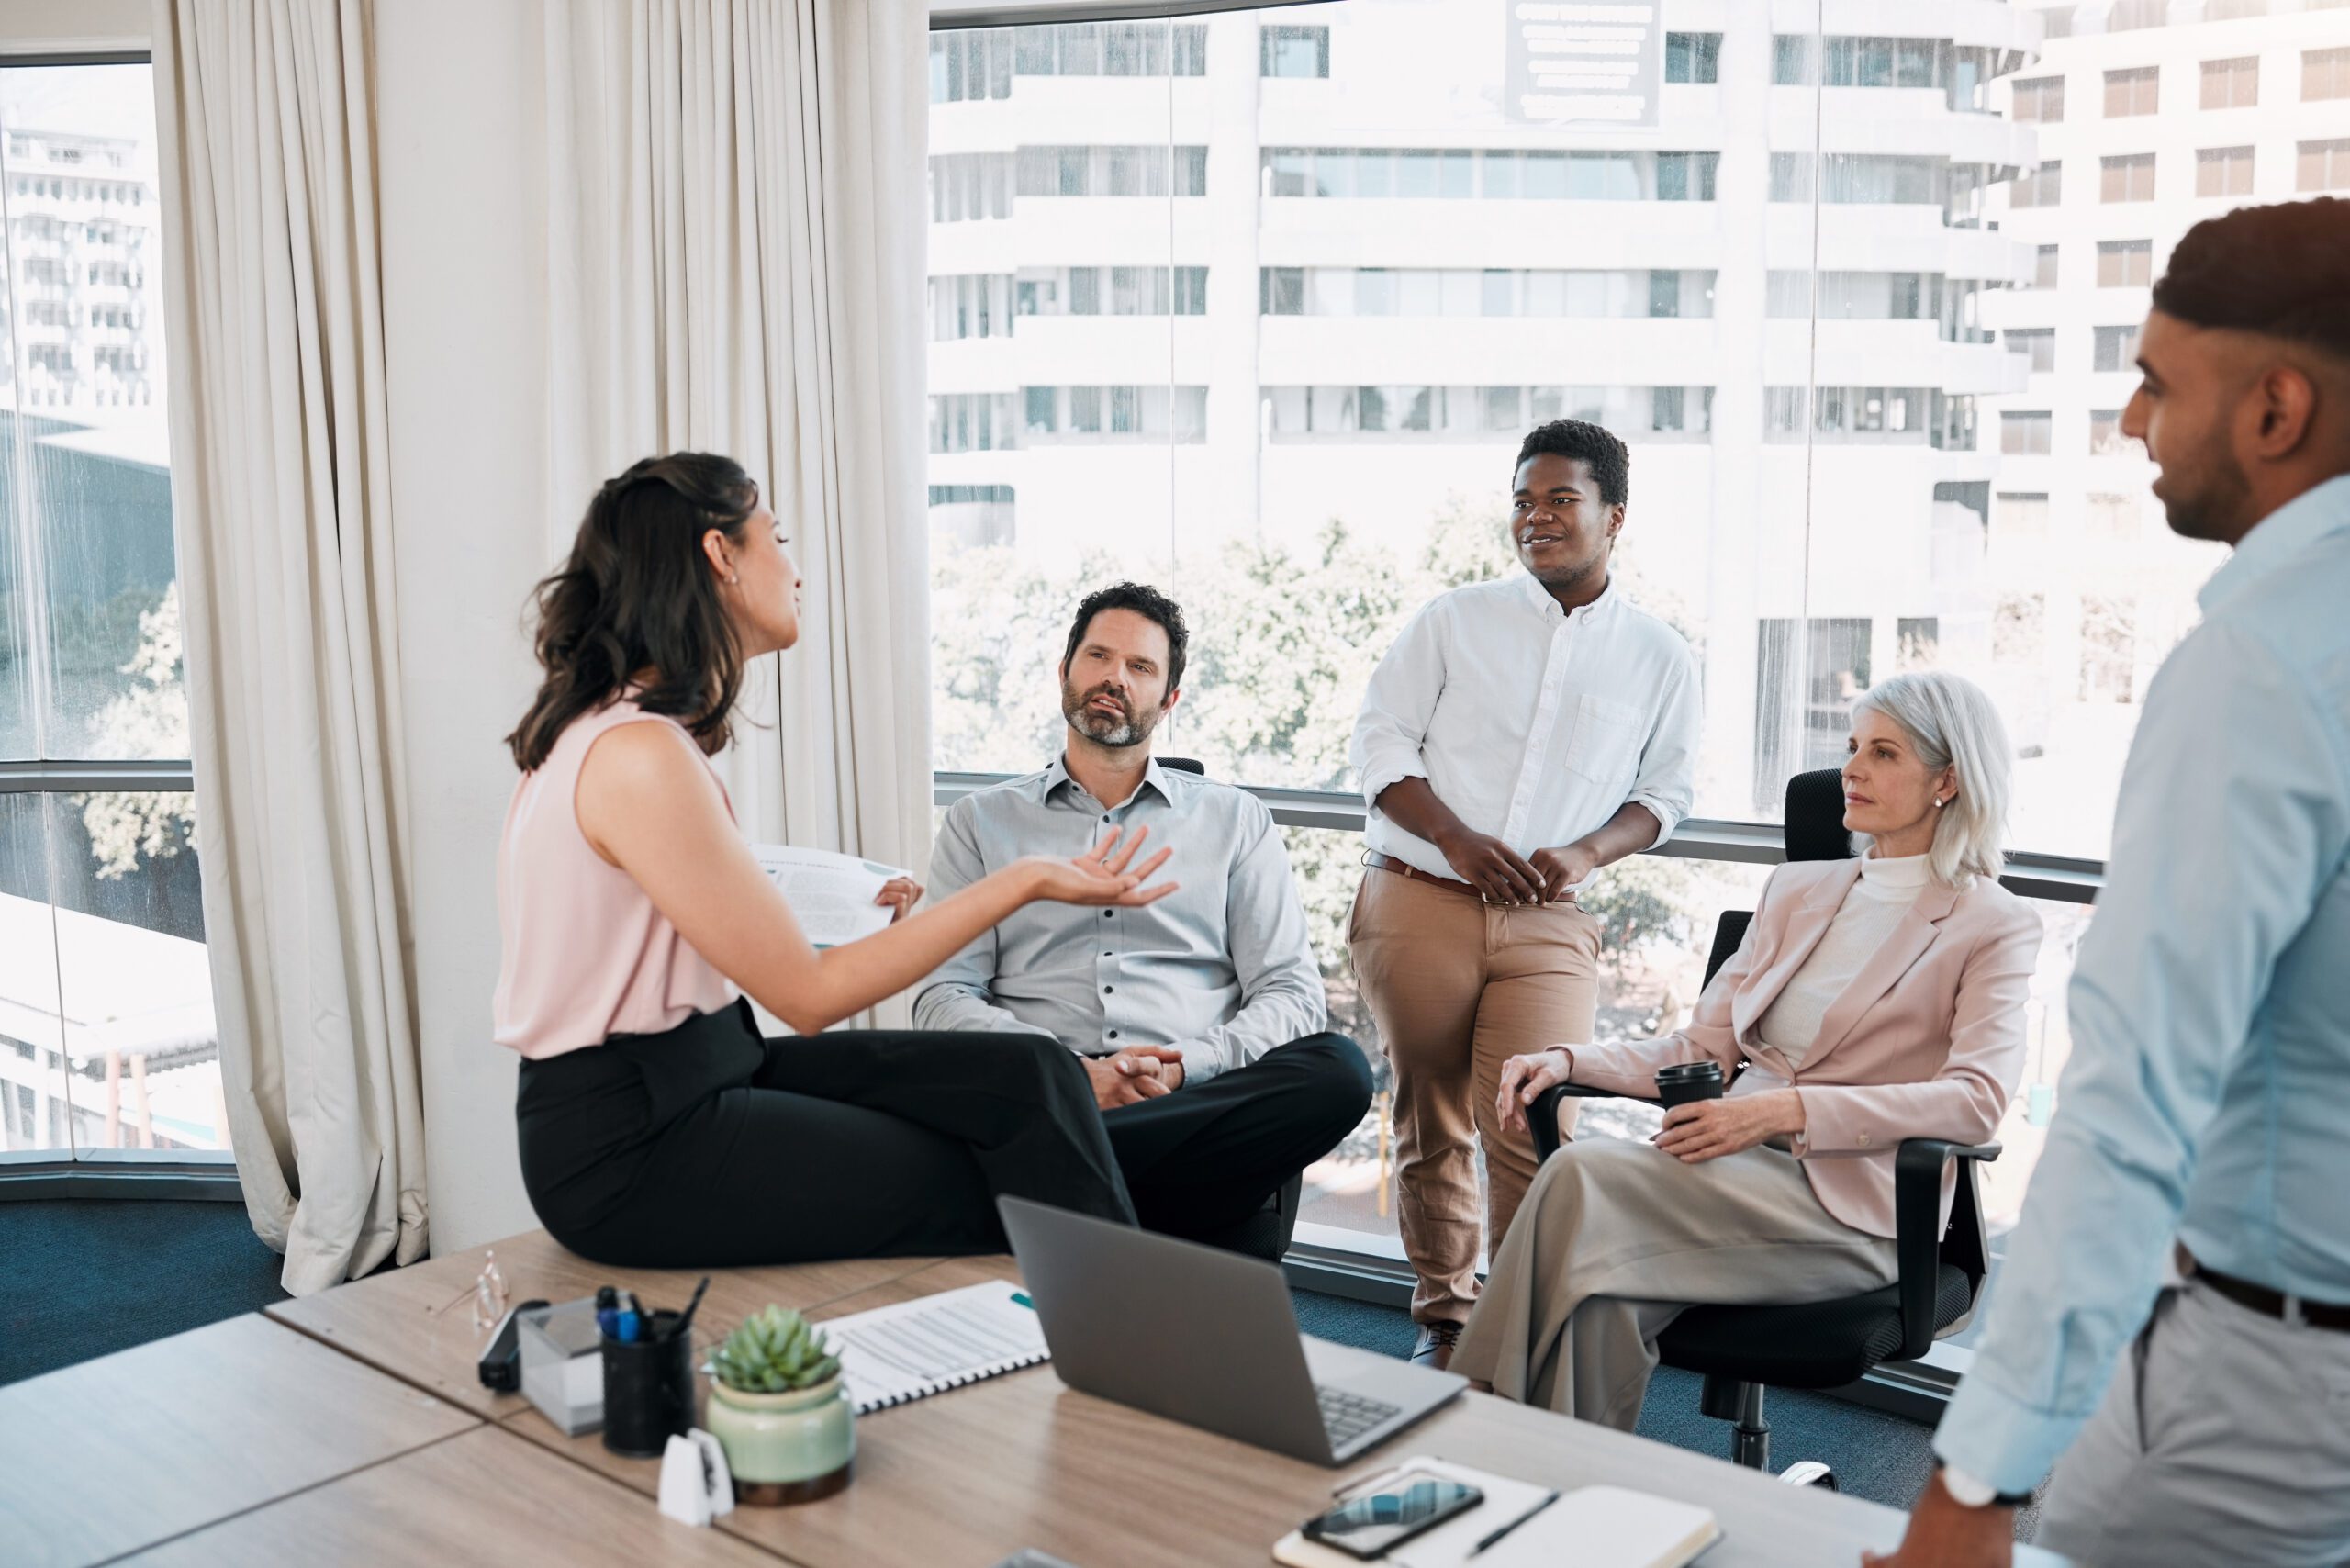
<point x="891" y="1355"/>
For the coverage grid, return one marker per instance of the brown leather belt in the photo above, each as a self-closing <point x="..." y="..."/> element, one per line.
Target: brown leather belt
<point x="1379" y="862"/>
<point x="2264" y="1301"/>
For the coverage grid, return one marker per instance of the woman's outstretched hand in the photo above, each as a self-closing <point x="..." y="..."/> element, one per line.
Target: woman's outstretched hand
<point x="1522" y="1078"/>
<point x="1103" y="875"/>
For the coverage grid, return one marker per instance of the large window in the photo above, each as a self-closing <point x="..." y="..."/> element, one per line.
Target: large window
<point x="107" y="1031"/>
<point x="1791" y="293"/>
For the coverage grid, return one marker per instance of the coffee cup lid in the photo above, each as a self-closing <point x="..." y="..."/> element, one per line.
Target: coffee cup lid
<point x="1681" y="1071"/>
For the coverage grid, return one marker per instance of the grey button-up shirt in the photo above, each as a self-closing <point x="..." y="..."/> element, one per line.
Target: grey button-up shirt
<point x="1220" y="969"/>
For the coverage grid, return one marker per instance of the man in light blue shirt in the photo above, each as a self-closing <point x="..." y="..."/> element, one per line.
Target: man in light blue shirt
<point x="2174" y="1308"/>
<point x="1200" y="1014"/>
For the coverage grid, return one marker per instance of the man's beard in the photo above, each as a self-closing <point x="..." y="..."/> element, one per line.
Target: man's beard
<point x="2216" y="508"/>
<point x="1120" y="729"/>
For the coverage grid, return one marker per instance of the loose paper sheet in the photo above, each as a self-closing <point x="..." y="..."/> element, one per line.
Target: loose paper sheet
<point x="831" y="895"/>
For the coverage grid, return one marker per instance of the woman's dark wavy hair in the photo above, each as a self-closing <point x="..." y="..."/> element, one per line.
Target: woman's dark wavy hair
<point x="638" y="594"/>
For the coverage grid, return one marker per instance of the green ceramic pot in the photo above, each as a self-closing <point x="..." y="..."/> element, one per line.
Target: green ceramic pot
<point x="785" y="1447"/>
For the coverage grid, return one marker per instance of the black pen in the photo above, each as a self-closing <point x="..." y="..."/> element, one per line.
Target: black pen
<point x="1552" y="1497"/>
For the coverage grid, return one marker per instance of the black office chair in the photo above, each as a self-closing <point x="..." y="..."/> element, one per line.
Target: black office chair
<point x="1265" y="1234"/>
<point x="1739" y="1351"/>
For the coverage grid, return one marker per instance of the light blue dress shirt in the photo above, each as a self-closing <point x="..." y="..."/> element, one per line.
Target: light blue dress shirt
<point x="1221" y="969"/>
<point x="2208" y="1095"/>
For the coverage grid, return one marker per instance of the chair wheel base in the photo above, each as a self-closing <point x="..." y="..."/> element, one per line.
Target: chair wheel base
<point x="1809" y="1472"/>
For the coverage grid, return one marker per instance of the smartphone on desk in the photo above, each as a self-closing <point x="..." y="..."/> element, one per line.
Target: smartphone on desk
<point x="1372" y="1524"/>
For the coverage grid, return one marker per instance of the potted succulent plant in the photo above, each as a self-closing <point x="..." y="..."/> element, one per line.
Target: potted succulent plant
<point x="779" y="1409"/>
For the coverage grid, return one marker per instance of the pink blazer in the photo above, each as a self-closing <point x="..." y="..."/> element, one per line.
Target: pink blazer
<point x="1928" y="1041"/>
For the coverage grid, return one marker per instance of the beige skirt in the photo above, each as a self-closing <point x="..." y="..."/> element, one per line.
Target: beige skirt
<point x="1617" y="1238"/>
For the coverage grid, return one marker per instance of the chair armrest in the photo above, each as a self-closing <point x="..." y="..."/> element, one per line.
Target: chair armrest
<point x="1918" y="1168"/>
<point x="1542" y="1116"/>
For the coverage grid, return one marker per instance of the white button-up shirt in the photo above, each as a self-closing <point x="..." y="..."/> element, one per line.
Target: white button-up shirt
<point x="1532" y="724"/>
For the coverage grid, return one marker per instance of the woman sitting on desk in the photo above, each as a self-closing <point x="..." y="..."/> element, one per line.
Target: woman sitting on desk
<point x="1873" y="999"/>
<point x="658" y="1129"/>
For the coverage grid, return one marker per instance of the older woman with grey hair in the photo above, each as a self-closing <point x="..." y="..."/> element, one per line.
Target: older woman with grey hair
<point x="1872" y="999"/>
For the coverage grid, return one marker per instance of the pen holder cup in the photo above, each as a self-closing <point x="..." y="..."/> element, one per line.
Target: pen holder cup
<point x="648" y="1388"/>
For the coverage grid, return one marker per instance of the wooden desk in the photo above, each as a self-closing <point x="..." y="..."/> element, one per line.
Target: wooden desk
<point x="967" y="1478"/>
<point x="138" y="1447"/>
<point x="486" y="1497"/>
<point x="417" y="1323"/>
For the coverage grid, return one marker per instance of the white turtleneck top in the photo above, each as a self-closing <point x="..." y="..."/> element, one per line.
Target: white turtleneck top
<point x="1880" y="896"/>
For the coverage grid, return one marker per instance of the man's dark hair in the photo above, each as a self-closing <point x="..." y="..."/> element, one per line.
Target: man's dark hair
<point x="1147" y="603"/>
<point x="2282" y="270"/>
<point x="1610" y="460"/>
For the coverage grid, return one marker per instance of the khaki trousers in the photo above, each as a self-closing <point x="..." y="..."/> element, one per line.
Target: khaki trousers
<point x="1458" y="987"/>
<point x="2224" y="1438"/>
<point x="1616" y="1239"/>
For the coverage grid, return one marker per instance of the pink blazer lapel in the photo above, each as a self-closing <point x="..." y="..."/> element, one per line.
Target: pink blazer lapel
<point x="1906" y="945"/>
<point x="1806" y="924"/>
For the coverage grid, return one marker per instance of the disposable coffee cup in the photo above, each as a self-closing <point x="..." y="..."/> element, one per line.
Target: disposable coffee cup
<point x="648" y="1388"/>
<point x="1689" y="1080"/>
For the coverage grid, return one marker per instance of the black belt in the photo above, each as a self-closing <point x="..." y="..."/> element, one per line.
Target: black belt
<point x="2266" y="1302"/>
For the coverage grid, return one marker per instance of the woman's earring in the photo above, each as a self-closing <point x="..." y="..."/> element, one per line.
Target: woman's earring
<point x="731" y="578"/>
<point x="1938" y="804"/>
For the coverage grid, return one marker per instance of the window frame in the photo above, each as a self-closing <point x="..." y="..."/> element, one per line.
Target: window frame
<point x="112" y="34"/>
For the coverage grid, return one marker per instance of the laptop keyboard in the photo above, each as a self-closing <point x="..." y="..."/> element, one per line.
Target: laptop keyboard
<point x="1349" y="1415"/>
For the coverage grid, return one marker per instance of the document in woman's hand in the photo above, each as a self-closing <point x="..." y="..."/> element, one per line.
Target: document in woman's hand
<point x="831" y="895"/>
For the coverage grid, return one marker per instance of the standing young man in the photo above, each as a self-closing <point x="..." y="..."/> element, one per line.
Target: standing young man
<point x="1519" y="735"/>
<point x="2174" y="1315"/>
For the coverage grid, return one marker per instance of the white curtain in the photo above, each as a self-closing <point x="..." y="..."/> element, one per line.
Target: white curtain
<point x="279" y="486"/>
<point x="735" y="236"/>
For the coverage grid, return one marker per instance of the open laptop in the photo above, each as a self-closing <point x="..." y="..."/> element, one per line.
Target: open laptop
<point x="1205" y="1337"/>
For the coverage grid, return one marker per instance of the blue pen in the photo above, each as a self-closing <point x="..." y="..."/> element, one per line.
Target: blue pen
<point x="631" y="1320"/>
<point x="608" y="1315"/>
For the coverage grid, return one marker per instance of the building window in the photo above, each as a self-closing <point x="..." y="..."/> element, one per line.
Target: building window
<point x="2323" y="166"/>
<point x="2114" y="348"/>
<point x="1284" y="51"/>
<point x="973" y="64"/>
<point x="2044" y="267"/>
<point x="2112" y="519"/>
<point x="1540" y="174"/>
<point x="2040" y="343"/>
<point x="2045" y="187"/>
<point x="1917" y="641"/>
<point x="2020" y="514"/>
<point x="2026" y="434"/>
<point x="2125" y="263"/>
<point x="1158" y="414"/>
<point x="2040" y="98"/>
<point x="2018" y="630"/>
<point x="2127" y="177"/>
<point x="1846" y="416"/>
<point x="1112" y="172"/>
<point x="1693" y="57"/>
<point x="1416" y="412"/>
<point x="1108" y="49"/>
<point x="1489" y="291"/>
<point x="2105" y="439"/>
<point x="1828" y="661"/>
<point x="964" y="187"/>
<point x="2131" y="91"/>
<point x="2223" y="171"/>
<point x="1859" y="178"/>
<point x="2325" y="73"/>
<point x="2232" y="83"/>
<point x="2108" y="638"/>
